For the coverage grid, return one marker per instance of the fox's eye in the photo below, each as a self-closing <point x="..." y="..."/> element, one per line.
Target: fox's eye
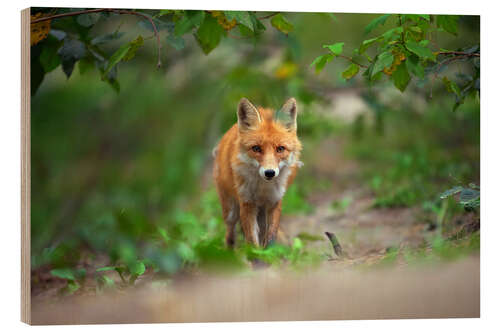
<point x="256" y="149"/>
<point x="280" y="149"/>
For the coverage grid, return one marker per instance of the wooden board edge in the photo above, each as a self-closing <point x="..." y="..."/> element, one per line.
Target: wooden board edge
<point x="25" y="168"/>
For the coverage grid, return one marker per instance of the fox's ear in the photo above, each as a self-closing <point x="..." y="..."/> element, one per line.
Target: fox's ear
<point x="287" y="115"/>
<point x="248" y="116"/>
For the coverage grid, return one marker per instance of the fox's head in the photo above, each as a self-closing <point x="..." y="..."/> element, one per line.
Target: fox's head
<point x="268" y="140"/>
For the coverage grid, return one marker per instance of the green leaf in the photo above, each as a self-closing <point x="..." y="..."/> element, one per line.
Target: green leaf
<point x="400" y="77"/>
<point x="451" y="192"/>
<point x="163" y="12"/>
<point x="116" y="57"/>
<point x="376" y="22"/>
<point x="137" y="268"/>
<point x="124" y="53"/>
<point x="384" y="60"/>
<point x="176" y="42"/>
<point x="332" y="16"/>
<point x="186" y="252"/>
<point x="414" y="66"/>
<point x="420" y="50"/>
<point x="72" y="286"/>
<point x="258" y="27"/>
<point x="196" y="17"/>
<point x="63" y="273"/>
<point x="369" y="42"/>
<point x="88" y="20"/>
<point x="350" y="72"/>
<point x="184" y="25"/>
<point x="49" y="59"/>
<point x="192" y="19"/>
<point x="392" y="34"/>
<point x="329" y="15"/>
<point x="245" y="32"/>
<point x="451" y="86"/>
<point x="240" y="17"/>
<point x="426" y="17"/>
<point x="424" y="42"/>
<point x="468" y="195"/>
<point x="415" y="29"/>
<point x="106" y="268"/>
<point x="134" y="46"/>
<point x="297" y="244"/>
<point x="336" y="48"/>
<point x="71" y="51"/>
<point x="105" y="282"/>
<point x="282" y="24"/>
<point x="209" y="34"/>
<point x="416" y="17"/>
<point x="58" y="34"/>
<point x="474" y="186"/>
<point x="449" y="23"/>
<point x="321" y="61"/>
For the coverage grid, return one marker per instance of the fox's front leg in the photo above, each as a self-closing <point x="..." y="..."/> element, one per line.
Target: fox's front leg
<point x="248" y="218"/>
<point x="273" y="214"/>
<point x="230" y="213"/>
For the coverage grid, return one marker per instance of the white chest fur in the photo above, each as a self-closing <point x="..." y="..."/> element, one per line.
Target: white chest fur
<point x="258" y="190"/>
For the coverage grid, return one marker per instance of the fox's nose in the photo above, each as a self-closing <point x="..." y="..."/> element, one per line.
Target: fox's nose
<point x="269" y="173"/>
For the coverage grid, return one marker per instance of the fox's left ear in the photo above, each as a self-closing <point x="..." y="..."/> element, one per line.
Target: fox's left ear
<point x="287" y="115"/>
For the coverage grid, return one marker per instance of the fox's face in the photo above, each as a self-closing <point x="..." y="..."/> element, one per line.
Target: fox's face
<point x="268" y="142"/>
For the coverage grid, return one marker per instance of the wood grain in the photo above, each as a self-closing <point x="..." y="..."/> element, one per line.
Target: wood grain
<point x="25" y="168"/>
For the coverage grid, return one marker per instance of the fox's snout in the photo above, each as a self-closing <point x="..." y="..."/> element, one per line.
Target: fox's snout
<point x="268" y="173"/>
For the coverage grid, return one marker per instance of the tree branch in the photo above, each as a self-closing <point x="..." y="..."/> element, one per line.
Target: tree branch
<point x="461" y="53"/>
<point x="268" y="16"/>
<point x="109" y="10"/>
<point x="450" y="60"/>
<point x="352" y="60"/>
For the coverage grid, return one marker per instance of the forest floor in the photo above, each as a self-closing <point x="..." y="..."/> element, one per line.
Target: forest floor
<point x="358" y="285"/>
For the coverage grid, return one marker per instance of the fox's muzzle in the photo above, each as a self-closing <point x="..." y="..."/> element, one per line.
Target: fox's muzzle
<point x="269" y="173"/>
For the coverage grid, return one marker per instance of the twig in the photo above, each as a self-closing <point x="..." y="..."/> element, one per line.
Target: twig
<point x="352" y="60"/>
<point x="459" y="56"/>
<point x="88" y="11"/>
<point x="268" y="16"/>
<point x="110" y="10"/>
<point x="449" y="60"/>
<point x="461" y="53"/>
<point x="335" y="243"/>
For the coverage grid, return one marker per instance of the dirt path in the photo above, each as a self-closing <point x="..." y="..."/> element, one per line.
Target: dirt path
<point x="364" y="232"/>
<point x="337" y="290"/>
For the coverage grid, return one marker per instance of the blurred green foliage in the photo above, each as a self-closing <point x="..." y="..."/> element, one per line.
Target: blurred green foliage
<point x="418" y="154"/>
<point x="121" y="183"/>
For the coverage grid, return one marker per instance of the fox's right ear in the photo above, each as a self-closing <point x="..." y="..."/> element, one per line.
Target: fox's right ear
<point x="248" y="116"/>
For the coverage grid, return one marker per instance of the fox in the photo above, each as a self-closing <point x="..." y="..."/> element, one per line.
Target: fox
<point x="255" y="162"/>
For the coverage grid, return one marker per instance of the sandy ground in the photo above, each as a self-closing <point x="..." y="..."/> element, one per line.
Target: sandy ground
<point x="345" y="288"/>
<point x="449" y="291"/>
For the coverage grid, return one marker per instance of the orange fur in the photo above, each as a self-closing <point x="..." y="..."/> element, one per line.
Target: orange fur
<point x="245" y="191"/>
